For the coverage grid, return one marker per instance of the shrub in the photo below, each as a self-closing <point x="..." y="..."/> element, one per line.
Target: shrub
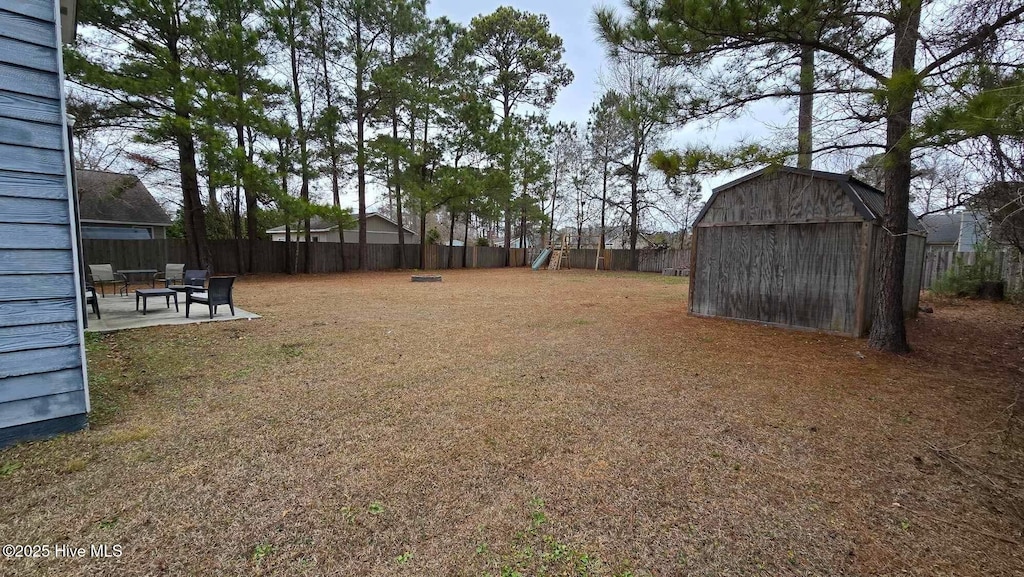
<point x="482" y="241"/>
<point x="433" y="236"/>
<point x="963" y="279"/>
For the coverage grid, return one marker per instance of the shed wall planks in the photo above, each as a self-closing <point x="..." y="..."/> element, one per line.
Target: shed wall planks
<point x="789" y="249"/>
<point x="780" y="197"/>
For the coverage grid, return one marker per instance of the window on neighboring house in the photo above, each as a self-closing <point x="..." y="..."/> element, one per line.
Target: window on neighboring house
<point x="116" y="232"/>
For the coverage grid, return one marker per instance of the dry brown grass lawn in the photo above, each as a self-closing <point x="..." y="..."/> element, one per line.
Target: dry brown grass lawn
<point x="545" y="423"/>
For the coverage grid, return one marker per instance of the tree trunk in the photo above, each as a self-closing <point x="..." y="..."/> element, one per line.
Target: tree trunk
<point x="522" y="233"/>
<point x="301" y="129"/>
<point x="465" y="241"/>
<point x="423" y="237"/>
<point x="508" y="234"/>
<point x="236" y="225"/>
<point x="239" y="175"/>
<point x="634" y="222"/>
<point x="288" y="249"/>
<point x="554" y="199"/>
<point x="604" y="206"/>
<point x="332" y="136"/>
<point x="451" y="242"/>
<point x="360" y="71"/>
<point x="805" y="143"/>
<point x="250" y="208"/>
<point x="195" y="217"/>
<point x="888" y="331"/>
<point x="395" y="168"/>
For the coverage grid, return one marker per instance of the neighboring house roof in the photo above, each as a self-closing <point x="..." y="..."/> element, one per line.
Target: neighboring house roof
<point x="960" y="229"/>
<point x="111" y="197"/>
<point x="868" y="200"/>
<point x="317" y="224"/>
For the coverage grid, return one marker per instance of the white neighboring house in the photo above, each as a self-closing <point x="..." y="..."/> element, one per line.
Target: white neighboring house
<point x="379" y="230"/>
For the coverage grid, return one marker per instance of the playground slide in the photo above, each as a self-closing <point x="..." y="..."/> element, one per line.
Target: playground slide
<point x="540" y="259"/>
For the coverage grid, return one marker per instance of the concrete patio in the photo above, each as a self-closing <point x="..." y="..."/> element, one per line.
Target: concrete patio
<point x="119" y="313"/>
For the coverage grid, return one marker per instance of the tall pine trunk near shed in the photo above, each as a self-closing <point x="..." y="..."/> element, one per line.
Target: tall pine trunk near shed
<point x="805" y="117"/>
<point x="888" y="329"/>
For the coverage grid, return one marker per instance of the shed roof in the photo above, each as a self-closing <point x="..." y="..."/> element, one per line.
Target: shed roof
<point x="114" y="197"/>
<point x="868" y="200"/>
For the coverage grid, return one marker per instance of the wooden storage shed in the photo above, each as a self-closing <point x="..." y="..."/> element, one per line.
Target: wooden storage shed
<point x="796" y="248"/>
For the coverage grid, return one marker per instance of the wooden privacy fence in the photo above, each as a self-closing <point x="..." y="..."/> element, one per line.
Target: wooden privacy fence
<point x="939" y="259"/>
<point x="273" y="257"/>
<point x="326" y="257"/>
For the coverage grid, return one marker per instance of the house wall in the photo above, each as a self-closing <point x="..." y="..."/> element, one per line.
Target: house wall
<point x="782" y="248"/>
<point x="42" y="374"/>
<point x="352" y="236"/>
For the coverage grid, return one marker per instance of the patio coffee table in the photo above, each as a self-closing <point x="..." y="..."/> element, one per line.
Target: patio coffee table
<point x="158" y="292"/>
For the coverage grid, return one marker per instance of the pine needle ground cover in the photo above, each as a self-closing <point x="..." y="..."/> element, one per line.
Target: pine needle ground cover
<point x="530" y="423"/>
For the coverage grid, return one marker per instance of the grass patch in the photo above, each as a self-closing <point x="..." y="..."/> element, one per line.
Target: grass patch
<point x="126" y="436"/>
<point x="536" y="551"/>
<point x="419" y="425"/>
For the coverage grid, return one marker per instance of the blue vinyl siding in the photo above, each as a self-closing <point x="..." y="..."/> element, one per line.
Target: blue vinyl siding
<point x="42" y="388"/>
